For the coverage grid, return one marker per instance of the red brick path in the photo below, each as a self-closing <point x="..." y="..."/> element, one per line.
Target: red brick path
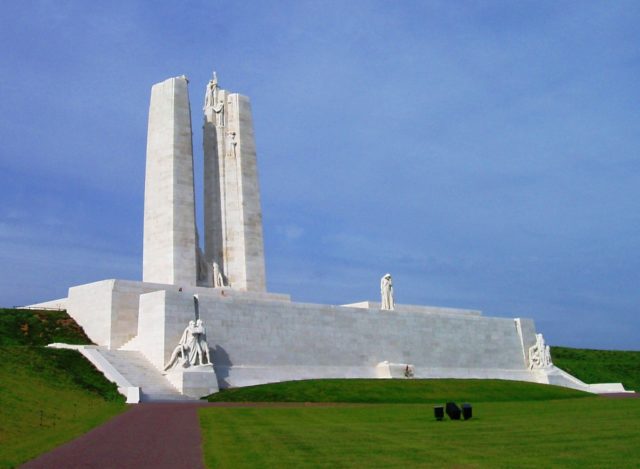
<point x="162" y="435"/>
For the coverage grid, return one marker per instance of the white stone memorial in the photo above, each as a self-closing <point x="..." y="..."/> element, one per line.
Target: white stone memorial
<point x="386" y="292"/>
<point x="150" y="334"/>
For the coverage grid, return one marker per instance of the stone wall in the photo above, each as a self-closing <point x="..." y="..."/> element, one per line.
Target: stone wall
<point x="256" y="340"/>
<point x="108" y="310"/>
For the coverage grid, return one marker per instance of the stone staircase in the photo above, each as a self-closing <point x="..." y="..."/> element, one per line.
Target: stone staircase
<point x="133" y="366"/>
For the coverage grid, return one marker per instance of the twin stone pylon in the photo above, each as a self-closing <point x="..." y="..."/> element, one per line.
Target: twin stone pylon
<point x="232" y="216"/>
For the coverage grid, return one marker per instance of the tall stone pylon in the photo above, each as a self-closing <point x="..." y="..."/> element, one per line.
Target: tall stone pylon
<point x="232" y="214"/>
<point x="170" y="239"/>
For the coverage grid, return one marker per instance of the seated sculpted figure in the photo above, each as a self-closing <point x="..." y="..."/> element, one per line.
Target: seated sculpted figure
<point x="182" y="349"/>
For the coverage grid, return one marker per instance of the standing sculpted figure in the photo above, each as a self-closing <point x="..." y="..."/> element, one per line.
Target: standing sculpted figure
<point x="386" y="291"/>
<point x="213" y="100"/>
<point x="205" y="359"/>
<point x="218" y="279"/>
<point x="232" y="144"/>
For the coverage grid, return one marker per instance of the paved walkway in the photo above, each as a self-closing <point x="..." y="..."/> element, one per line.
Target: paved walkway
<point x="161" y="435"/>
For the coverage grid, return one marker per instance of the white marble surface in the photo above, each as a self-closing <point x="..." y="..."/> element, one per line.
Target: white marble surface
<point x="108" y="310"/>
<point x="169" y="248"/>
<point x="195" y="381"/>
<point x="254" y="339"/>
<point x="233" y="217"/>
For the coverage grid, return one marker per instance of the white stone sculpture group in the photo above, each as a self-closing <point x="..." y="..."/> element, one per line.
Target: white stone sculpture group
<point x="192" y="350"/>
<point x="386" y="291"/>
<point x="539" y="354"/>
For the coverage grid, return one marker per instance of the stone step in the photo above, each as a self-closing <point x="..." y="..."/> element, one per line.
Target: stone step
<point x="158" y="397"/>
<point x="154" y="386"/>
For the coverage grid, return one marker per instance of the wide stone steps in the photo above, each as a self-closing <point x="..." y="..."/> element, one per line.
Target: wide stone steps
<point x="140" y="372"/>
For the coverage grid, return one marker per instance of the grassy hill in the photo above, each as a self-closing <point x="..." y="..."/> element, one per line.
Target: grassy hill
<point x="47" y="396"/>
<point x="390" y="423"/>
<point x="591" y="366"/>
<point x="600" y="366"/>
<point x="35" y="327"/>
<point x="381" y="391"/>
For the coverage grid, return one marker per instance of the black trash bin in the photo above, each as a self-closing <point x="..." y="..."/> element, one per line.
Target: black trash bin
<point x="453" y="411"/>
<point x="438" y="412"/>
<point x="466" y="411"/>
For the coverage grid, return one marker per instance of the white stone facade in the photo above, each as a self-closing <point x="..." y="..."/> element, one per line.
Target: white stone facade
<point x="258" y="337"/>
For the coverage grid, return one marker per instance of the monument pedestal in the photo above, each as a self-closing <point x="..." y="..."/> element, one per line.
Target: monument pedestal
<point x="194" y="381"/>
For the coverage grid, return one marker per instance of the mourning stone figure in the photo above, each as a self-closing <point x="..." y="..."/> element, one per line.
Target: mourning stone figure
<point x="182" y="349"/>
<point x="212" y="99"/>
<point x="212" y="92"/>
<point x="386" y="291"/>
<point x="192" y="349"/>
<point x="539" y="354"/>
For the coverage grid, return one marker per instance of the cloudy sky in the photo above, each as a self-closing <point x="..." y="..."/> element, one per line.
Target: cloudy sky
<point x="486" y="154"/>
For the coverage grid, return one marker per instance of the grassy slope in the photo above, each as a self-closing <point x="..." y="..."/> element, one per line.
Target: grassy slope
<point x="600" y="366"/>
<point x="395" y="391"/>
<point x="33" y="327"/>
<point x="47" y="396"/>
<point x="591" y="432"/>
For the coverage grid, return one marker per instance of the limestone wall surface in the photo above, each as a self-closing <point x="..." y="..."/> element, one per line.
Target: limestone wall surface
<point x="257" y="341"/>
<point x="108" y="310"/>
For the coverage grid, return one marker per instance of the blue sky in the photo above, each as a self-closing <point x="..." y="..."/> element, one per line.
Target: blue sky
<point x="486" y="154"/>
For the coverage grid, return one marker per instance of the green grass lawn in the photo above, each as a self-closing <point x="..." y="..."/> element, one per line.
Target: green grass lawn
<point x="600" y="366"/>
<point x="591" y="432"/>
<point x="395" y="391"/>
<point x="47" y="396"/>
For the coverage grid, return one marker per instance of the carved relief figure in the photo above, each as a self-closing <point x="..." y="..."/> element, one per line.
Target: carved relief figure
<point x="539" y="354"/>
<point x="218" y="108"/>
<point x="232" y="144"/>
<point x="213" y="100"/>
<point x="386" y="291"/>
<point x="212" y="91"/>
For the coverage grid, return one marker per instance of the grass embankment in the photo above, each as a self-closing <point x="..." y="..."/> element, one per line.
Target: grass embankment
<point x="514" y="424"/>
<point x="47" y="396"/>
<point x="600" y="366"/>
<point x="591" y="432"/>
<point x="380" y="391"/>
